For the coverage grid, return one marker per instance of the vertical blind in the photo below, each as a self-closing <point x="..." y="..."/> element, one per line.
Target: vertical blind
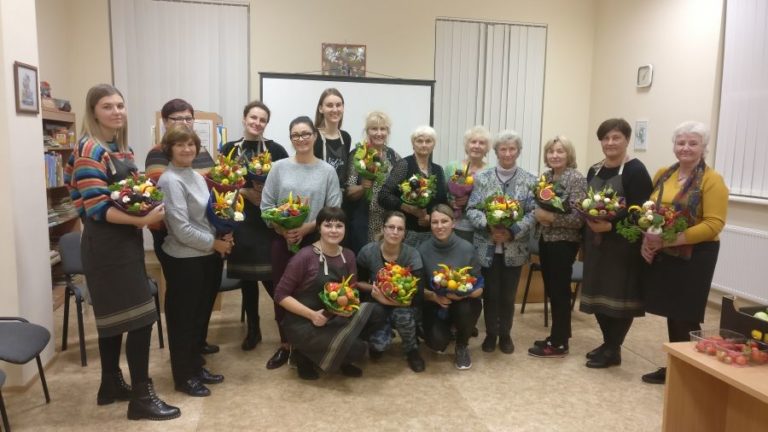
<point x="742" y="150"/>
<point x="489" y="74"/>
<point x="197" y="51"/>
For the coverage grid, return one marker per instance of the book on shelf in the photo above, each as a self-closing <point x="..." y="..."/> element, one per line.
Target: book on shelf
<point x="54" y="169"/>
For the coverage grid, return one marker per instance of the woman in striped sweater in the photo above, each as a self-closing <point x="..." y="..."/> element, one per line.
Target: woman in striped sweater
<point x="113" y="255"/>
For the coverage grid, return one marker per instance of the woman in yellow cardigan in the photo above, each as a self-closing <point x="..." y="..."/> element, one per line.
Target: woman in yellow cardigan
<point x="677" y="280"/>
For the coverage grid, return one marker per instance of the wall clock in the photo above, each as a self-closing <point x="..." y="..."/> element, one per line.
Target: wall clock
<point x="644" y="76"/>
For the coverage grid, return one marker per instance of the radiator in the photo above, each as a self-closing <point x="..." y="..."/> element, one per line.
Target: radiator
<point x="742" y="265"/>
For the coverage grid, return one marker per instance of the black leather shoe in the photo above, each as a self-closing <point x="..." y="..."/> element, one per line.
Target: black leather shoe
<point x="145" y="404"/>
<point x="251" y="339"/>
<point x="351" y="371"/>
<point x="375" y="354"/>
<point x="209" y="349"/>
<point x="193" y="387"/>
<point x="592" y="354"/>
<point x="279" y="358"/>
<point x="415" y="361"/>
<point x="506" y="345"/>
<point x="489" y="344"/>
<point x="113" y="388"/>
<point x="206" y="377"/>
<point x="607" y="358"/>
<point x="657" y="377"/>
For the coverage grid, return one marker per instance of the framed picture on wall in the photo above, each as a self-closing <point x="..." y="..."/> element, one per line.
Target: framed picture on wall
<point x="343" y="59"/>
<point x="641" y="135"/>
<point x="25" y="86"/>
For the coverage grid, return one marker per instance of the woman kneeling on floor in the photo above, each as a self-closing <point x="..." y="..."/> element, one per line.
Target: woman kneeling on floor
<point x="321" y="340"/>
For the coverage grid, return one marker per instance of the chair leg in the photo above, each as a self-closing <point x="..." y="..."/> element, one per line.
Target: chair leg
<point x="81" y="330"/>
<point x="42" y="378"/>
<point x="527" y="288"/>
<point x="4" y="414"/>
<point x="575" y="294"/>
<point x="159" y="322"/>
<point x="65" y="326"/>
<point x="242" y="311"/>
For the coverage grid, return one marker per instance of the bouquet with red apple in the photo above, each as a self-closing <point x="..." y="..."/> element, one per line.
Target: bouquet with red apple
<point x="654" y="221"/>
<point x="460" y="184"/>
<point x="371" y="165"/>
<point x="397" y="283"/>
<point x="290" y="214"/>
<point x="457" y="281"/>
<point x="259" y="166"/>
<point x="418" y="190"/>
<point x="225" y="210"/>
<point x="549" y="195"/>
<point x="340" y="298"/>
<point x="136" y="195"/>
<point x="227" y="175"/>
<point x="601" y="205"/>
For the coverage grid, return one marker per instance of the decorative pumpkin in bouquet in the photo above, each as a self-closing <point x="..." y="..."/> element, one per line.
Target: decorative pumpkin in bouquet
<point x="290" y="214"/>
<point x="418" y="190"/>
<point x="227" y="175"/>
<point x="460" y="184"/>
<point x="549" y="195"/>
<point x="459" y="282"/>
<point x="397" y="283"/>
<point x="259" y="167"/>
<point x="602" y="205"/>
<point x="225" y="210"/>
<point x="502" y="210"/>
<point x="136" y="195"/>
<point x="340" y="298"/>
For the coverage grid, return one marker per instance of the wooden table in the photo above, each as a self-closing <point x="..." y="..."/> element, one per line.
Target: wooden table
<point x="703" y="394"/>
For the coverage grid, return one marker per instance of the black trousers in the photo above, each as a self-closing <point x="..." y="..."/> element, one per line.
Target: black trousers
<point x="679" y="330"/>
<point x="462" y="314"/>
<point x="192" y="285"/>
<point x="499" y="296"/>
<point x="614" y="329"/>
<point x="250" y="290"/>
<point x="556" y="266"/>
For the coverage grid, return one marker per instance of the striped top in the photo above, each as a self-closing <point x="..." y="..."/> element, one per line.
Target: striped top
<point x="86" y="176"/>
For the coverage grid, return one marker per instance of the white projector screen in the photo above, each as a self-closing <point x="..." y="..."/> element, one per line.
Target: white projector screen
<point x="407" y="102"/>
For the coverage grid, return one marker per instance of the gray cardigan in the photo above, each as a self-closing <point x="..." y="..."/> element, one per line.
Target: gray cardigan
<point x="518" y="187"/>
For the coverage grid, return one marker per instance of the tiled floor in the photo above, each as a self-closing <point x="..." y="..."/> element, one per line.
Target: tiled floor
<point x="500" y="393"/>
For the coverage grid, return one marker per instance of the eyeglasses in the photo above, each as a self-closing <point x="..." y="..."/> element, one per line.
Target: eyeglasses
<point x="301" y="136"/>
<point x="394" y="228"/>
<point x="182" y="119"/>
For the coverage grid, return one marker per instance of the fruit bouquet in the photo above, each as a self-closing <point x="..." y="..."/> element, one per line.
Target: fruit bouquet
<point x="650" y="220"/>
<point x="370" y="165"/>
<point x="459" y="282"/>
<point x="225" y="210"/>
<point x="730" y="347"/>
<point x="397" y="283"/>
<point x="340" y="298"/>
<point x="418" y="190"/>
<point x="602" y="205"/>
<point x="290" y="214"/>
<point x="259" y="167"/>
<point x="460" y="185"/>
<point x="227" y="175"/>
<point x="502" y="210"/>
<point x="549" y="195"/>
<point x="136" y="195"/>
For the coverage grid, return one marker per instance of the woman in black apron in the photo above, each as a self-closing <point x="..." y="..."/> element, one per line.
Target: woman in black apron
<point x="611" y="287"/>
<point x="250" y="259"/>
<point x="318" y="339"/>
<point x="113" y="256"/>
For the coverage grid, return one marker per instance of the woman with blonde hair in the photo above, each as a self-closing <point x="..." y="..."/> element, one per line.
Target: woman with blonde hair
<point x="477" y="143"/>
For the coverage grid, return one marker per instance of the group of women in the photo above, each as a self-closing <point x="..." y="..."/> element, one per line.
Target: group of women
<point x="356" y="225"/>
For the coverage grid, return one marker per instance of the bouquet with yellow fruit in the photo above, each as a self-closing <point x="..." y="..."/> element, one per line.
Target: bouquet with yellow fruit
<point x="655" y="221"/>
<point x="549" y="195"/>
<point x="136" y="195"/>
<point x="227" y="175"/>
<point x="340" y="298"/>
<point x="225" y="210"/>
<point x="397" y="283"/>
<point x="459" y="282"/>
<point x="371" y="165"/>
<point x="460" y="184"/>
<point x="502" y="210"/>
<point x="290" y="214"/>
<point x="602" y="205"/>
<point x="259" y="166"/>
<point x="418" y="190"/>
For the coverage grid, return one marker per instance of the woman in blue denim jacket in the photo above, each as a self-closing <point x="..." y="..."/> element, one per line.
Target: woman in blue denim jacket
<point x="502" y="251"/>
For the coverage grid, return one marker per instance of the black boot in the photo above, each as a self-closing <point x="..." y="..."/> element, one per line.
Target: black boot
<point x="146" y="405"/>
<point x="254" y="335"/>
<point x="113" y="388"/>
